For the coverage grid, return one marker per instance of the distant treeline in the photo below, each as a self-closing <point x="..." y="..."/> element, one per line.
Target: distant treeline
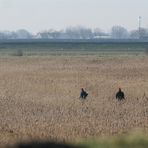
<point x="80" y="33"/>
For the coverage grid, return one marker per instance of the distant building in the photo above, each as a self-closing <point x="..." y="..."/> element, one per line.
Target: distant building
<point x="102" y="37"/>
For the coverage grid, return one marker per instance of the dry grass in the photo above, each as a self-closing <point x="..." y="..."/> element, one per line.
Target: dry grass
<point x="39" y="97"/>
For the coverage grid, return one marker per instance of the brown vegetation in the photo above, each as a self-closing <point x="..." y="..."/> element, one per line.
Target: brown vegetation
<point x="39" y="97"/>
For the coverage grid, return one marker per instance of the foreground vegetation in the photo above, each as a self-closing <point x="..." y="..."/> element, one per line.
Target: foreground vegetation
<point x="137" y="140"/>
<point x="134" y="140"/>
<point x="39" y="97"/>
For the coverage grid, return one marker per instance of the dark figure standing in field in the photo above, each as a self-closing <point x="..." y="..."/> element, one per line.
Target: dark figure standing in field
<point x="83" y="94"/>
<point x="120" y="95"/>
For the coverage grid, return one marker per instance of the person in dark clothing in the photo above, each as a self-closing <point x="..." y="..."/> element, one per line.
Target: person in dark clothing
<point x="120" y="95"/>
<point x="83" y="94"/>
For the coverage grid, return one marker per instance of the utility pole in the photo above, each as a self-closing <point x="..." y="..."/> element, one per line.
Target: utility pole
<point x="140" y="20"/>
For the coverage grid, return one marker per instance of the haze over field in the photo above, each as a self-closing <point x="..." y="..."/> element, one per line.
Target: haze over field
<point x="52" y="19"/>
<point x="38" y="15"/>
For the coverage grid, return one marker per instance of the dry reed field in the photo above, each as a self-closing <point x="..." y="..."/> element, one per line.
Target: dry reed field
<point x="39" y="97"/>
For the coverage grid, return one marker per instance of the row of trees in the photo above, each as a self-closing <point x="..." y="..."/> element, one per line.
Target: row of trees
<point x="20" y="34"/>
<point x="117" y="32"/>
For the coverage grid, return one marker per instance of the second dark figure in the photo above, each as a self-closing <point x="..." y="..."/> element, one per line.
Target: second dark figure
<point x="120" y="95"/>
<point x="83" y="94"/>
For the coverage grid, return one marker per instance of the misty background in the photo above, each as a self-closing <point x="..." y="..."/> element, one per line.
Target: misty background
<point x="78" y="32"/>
<point x="73" y="19"/>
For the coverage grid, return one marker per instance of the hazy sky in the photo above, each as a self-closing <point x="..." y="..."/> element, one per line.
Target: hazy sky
<point x="37" y="15"/>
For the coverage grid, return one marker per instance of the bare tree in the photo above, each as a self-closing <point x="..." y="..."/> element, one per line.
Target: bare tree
<point x="119" y="32"/>
<point x="79" y="32"/>
<point x="143" y="33"/>
<point x="23" y="34"/>
<point x="134" y="34"/>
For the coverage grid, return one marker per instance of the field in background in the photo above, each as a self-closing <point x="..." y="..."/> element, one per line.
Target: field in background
<point x="71" y="48"/>
<point x="39" y="97"/>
